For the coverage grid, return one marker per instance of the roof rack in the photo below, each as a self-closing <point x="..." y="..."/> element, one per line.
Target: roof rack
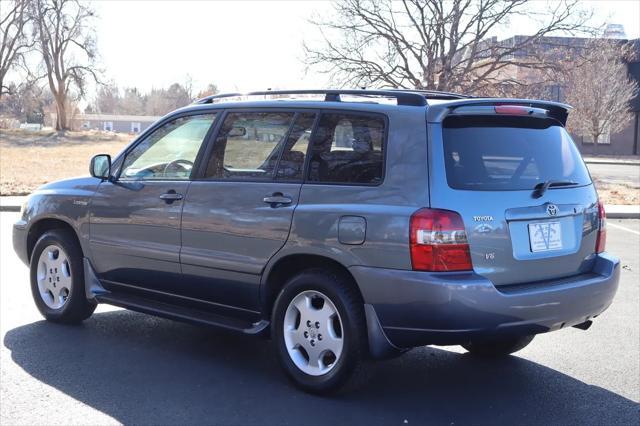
<point x="436" y="94"/>
<point x="402" y="96"/>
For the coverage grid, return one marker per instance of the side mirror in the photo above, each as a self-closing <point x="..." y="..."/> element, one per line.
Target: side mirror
<point x="100" y="166"/>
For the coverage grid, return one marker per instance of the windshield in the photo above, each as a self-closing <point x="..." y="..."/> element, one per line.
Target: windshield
<point x="494" y="153"/>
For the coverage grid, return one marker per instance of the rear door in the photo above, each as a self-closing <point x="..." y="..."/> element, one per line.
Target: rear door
<point x="523" y="191"/>
<point x="237" y="215"/>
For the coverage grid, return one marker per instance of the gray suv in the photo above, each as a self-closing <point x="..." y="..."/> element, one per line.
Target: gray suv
<point x="343" y="224"/>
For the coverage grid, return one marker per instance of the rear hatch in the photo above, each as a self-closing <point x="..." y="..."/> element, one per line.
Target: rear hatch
<point x="522" y="189"/>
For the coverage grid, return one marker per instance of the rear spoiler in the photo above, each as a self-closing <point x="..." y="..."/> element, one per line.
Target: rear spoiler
<point x="437" y="112"/>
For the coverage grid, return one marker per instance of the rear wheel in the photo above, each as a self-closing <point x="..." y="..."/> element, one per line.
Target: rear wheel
<point x="498" y="346"/>
<point x="57" y="278"/>
<point x="319" y="330"/>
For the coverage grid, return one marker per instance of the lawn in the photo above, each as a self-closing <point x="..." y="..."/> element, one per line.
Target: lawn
<point x="30" y="159"/>
<point x="617" y="193"/>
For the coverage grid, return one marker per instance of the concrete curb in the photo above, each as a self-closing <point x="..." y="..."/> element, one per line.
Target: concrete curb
<point x="11" y="203"/>
<point x="613" y="163"/>
<point x="634" y="161"/>
<point x="622" y="212"/>
<point x="623" y="215"/>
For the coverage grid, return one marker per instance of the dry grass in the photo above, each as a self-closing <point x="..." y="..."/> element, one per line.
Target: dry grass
<point x="30" y="159"/>
<point x="617" y="194"/>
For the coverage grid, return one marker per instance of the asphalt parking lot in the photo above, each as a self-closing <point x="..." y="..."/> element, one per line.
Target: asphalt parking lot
<point x="625" y="174"/>
<point x="125" y="367"/>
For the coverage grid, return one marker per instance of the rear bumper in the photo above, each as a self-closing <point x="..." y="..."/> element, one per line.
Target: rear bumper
<point x="421" y="308"/>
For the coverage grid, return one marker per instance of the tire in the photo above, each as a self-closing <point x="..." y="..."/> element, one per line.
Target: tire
<point x="319" y="292"/>
<point x="498" y="346"/>
<point x="57" y="278"/>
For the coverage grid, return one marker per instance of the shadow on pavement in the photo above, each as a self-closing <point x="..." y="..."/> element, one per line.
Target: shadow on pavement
<point x="141" y="369"/>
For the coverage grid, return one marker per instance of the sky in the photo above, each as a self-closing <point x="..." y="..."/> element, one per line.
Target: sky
<point x="240" y="45"/>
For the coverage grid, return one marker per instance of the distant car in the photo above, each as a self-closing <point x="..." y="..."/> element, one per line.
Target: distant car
<point x="342" y="229"/>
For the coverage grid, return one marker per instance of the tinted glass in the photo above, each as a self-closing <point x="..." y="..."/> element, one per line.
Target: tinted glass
<point x="348" y="148"/>
<point x="509" y="153"/>
<point x="291" y="163"/>
<point x="248" y="145"/>
<point x="170" y="151"/>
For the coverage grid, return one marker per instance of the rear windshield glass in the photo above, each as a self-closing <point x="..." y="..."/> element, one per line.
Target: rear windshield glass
<point x="509" y="153"/>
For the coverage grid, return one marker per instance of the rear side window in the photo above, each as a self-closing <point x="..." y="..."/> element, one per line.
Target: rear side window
<point x="509" y="153"/>
<point x="248" y="145"/>
<point x="291" y="163"/>
<point x="348" y="148"/>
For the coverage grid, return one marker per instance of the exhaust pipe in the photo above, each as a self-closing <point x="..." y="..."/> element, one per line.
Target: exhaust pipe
<point x="584" y="325"/>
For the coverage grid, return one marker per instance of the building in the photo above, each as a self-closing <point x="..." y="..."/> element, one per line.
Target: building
<point x="622" y="143"/>
<point x="614" y="31"/>
<point x="113" y="123"/>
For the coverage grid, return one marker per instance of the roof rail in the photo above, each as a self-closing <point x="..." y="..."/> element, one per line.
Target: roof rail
<point x="436" y="94"/>
<point x="403" y="97"/>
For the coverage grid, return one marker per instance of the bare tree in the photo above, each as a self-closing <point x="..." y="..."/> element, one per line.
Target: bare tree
<point x="133" y="102"/>
<point x="161" y="101"/>
<point x="178" y="96"/>
<point x="188" y="86"/>
<point x="65" y="39"/>
<point x="600" y="90"/>
<point x="14" y="40"/>
<point x="108" y="99"/>
<point x="211" y="89"/>
<point x="433" y="44"/>
<point x="26" y="102"/>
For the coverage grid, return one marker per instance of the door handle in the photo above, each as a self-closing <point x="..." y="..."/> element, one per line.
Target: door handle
<point x="171" y="196"/>
<point x="277" y="199"/>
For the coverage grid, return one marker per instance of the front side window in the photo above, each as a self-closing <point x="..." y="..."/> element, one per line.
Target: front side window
<point x="248" y="145"/>
<point x="170" y="151"/>
<point x="349" y="149"/>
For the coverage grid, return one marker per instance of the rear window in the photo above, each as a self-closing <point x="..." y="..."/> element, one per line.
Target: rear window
<point x="509" y="153"/>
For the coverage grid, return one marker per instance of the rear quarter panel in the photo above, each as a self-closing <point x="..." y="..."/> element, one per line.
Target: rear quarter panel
<point x="386" y="208"/>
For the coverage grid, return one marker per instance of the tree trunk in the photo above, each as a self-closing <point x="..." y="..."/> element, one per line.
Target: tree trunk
<point x="595" y="143"/>
<point x="61" y="110"/>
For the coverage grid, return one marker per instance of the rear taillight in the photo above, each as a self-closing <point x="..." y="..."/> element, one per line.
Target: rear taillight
<point x="439" y="241"/>
<point x="601" y="240"/>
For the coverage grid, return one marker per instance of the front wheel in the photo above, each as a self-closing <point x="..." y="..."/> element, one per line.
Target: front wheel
<point x="319" y="330"/>
<point x="498" y="346"/>
<point x="57" y="278"/>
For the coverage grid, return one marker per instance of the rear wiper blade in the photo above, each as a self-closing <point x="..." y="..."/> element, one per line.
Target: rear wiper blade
<point x="541" y="188"/>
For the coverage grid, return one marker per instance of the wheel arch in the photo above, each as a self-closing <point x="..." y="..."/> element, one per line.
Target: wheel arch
<point x="288" y="266"/>
<point x="38" y="228"/>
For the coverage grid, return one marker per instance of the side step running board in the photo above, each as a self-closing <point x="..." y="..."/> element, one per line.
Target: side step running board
<point x="180" y="313"/>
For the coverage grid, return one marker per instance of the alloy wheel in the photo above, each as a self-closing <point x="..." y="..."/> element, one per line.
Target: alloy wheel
<point x="54" y="276"/>
<point x="313" y="333"/>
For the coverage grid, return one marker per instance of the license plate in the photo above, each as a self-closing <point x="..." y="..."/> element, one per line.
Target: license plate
<point x="545" y="236"/>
